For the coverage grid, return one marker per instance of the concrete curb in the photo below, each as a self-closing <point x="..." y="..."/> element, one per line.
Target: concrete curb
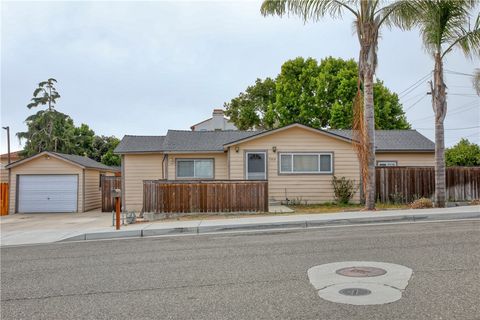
<point x="301" y="224"/>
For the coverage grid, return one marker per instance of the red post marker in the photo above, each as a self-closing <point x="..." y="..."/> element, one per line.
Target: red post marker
<point x="117" y="213"/>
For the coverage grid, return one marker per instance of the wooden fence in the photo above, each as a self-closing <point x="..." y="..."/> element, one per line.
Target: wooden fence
<point x="109" y="183"/>
<point x="162" y="196"/>
<point x="3" y="199"/>
<point x="405" y="184"/>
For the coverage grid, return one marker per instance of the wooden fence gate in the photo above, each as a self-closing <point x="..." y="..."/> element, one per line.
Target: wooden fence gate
<point x="405" y="184"/>
<point x="109" y="183"/>
<point x="3" y="199"/>
<point x="162" y="196"/>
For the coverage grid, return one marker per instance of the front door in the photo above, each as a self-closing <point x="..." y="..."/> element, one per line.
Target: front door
<point x="256" y="165"/>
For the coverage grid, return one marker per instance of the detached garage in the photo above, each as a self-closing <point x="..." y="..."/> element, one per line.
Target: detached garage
<point x="56" y="182"/>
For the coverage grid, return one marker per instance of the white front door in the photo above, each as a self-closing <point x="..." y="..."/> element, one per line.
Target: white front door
<point x="47" y="193"/>
<point x="256" y="165"/>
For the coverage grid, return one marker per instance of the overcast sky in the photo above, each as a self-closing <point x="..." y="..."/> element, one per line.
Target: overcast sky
<point x="146" y="67"/>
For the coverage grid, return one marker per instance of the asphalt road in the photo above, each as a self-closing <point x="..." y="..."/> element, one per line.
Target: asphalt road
<point x="241" y="276"/>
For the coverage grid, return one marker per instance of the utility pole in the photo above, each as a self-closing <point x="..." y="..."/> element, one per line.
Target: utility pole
<point x="8" y="141"/>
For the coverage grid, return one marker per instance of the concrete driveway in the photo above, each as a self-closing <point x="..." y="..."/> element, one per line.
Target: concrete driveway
<point x="49" y="227"/>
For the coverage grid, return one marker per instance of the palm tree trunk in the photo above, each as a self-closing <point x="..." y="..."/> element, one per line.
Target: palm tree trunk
<point x="439" y="102"/>
<point x="370" y="131"/>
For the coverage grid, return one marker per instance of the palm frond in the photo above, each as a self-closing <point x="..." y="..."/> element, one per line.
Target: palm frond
<point x="476" y="81"/>
<point x="309" y="9"/>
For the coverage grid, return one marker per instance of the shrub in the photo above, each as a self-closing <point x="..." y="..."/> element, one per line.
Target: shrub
<point x="421" y="203"/>
<point x="343" y="189"/>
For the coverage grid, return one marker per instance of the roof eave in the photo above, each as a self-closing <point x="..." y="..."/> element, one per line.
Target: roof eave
<point x="405" y="150"/>
<point x="19" y="162"/>
<point x="268" y="132"/>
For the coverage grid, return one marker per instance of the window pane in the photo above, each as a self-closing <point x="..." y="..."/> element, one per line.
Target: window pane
<point x="305" y="163"/>
<point x="185" y="169"/>
<point x="204" y="168"/>
<point x="325" y="164"/>
<point x="256" y="163"/>
<point x="286" y="163"/>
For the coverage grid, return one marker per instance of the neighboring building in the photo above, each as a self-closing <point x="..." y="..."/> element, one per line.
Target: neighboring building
<point x="14" y="156"/>
<point x="56" y="182"/>
<point x="298" y="161"/>
<point x="217" y="122"/>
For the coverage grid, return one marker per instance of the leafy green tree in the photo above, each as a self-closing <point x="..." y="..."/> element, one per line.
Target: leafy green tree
<point x="102" y="150"/>
<point x="84" y="137"/>
<point x="464" y="153"/>
<point x="444" y="26"/>
<point x="48" y="130"/>
<point x="314" y="94"/>
<point x="45" y="94"/>
<point x="297" y="99"/>
<point x="254" y="107"/>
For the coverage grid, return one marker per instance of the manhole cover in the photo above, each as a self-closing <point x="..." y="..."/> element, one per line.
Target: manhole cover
<point x="355" y="292"/>
<point x="361" y="272"/>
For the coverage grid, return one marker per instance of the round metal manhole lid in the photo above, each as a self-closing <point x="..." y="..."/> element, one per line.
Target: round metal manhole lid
<point x="355" y="292"/>
<point x="361" y="272"/>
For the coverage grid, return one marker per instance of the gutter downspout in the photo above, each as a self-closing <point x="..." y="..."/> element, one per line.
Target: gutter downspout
<point x="165" y="156"/>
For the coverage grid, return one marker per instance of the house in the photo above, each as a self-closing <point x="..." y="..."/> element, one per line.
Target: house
<point x="14" y="156"/>
<point x="298" y="161"/>
<point x="216" y="122"/>
<point x="56" y="182"/>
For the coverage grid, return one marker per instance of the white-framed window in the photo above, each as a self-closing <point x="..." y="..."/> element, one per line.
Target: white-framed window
<point x="298" y="163"/>
<point x="195" y="168"/>
<point x="386" y="163"/>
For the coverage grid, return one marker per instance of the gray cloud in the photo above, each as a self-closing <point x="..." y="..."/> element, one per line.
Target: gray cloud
<point x="143" y="68"/>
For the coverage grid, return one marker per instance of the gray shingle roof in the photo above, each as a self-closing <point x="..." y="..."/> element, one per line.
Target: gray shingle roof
<point x="140" y="144"/>
<point x="395" y="140"/>
<point x="85" y="162"/>
<point x="208" y="141"/>
<point x="177" y="140"/>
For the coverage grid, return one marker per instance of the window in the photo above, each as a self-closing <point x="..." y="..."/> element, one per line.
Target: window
<point x="306" y="163"/>
<point x="387" y="163"/>
<point x="195" y="168"/>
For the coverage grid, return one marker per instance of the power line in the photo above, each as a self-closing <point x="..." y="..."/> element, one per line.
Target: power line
<point x="466" y="128"/>
<point x="413" y="97"/>
<point x="463" y="94"/>
<point x="448" y="114"/>
<point x="412" y="87"/>
<point x="416" y="102"/>
<point x="458" y="73"/>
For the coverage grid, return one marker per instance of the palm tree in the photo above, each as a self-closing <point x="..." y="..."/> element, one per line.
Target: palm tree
<point x="369" y="16"/>
<point x="444" y="26"/>
<point x="476" y="81"/>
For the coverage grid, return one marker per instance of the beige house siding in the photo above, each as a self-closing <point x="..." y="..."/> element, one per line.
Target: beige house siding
<point x="219" y="163"/>
<point x="3" y="174"/>
<point x="310" y="188"/>
<point x="408" y="159"/>
<point x="44" y="165"/>
<point x="136" y="168"/>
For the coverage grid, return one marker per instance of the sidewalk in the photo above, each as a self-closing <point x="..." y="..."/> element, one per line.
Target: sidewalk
<point x="89" y="226"/>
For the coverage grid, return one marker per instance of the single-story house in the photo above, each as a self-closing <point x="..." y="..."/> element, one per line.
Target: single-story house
<point x="298" y="161"/>
<point x="56" y="182"/>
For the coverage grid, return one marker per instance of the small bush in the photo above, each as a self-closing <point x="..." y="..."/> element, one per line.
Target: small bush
<point x="343" y="189"/>
<point x="421" y="203"/>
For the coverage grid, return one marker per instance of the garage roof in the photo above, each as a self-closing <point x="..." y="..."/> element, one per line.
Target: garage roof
<point x="81" y="161"/>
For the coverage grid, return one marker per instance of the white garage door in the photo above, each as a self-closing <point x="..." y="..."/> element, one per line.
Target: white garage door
<point x="47" y="193"/>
